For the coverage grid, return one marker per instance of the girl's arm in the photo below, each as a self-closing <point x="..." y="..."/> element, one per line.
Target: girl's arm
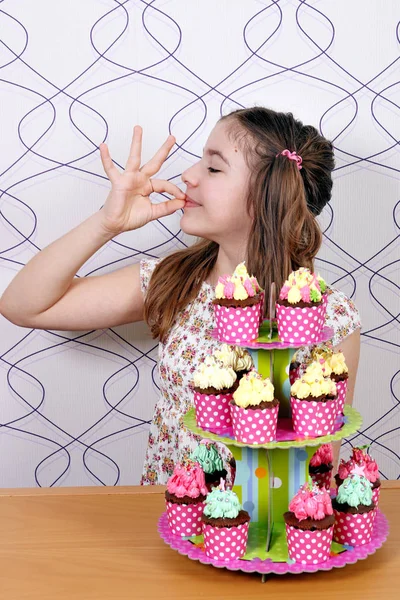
<point x="45" y="294"/>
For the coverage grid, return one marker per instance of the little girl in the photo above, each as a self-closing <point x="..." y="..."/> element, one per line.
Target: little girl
<point x="253" y="197"/>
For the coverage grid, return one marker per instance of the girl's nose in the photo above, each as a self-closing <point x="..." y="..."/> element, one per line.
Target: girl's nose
<point x="190" y="176"/>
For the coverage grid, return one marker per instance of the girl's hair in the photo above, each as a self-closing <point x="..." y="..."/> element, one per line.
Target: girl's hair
<point x="283" y="200"/>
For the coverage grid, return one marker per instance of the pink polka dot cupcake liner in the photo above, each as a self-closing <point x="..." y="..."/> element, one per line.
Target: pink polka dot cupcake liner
<point x="353" y="530"/>
<point x="313" y="419"/>
<point x="309" y="547"/>
<point x="225" y="543"/>
<point x="213" y="412"/>
<point x="185" y="519"/>
<point x="322" y="480"/>
<point x="376" y="492"/>
<point x="300" y="325"/>
<point x="341" y="389"/>
<point x="254" y="426"/>
<point x="237" y="325"/>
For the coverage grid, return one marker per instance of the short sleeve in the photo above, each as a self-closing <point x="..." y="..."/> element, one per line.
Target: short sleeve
<point x="344" y="318"/>
<point x="341" y="314"/>
<point x="147" y="266"/>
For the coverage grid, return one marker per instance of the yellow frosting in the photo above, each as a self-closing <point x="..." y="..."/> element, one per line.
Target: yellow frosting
<point x="213" y="373"/>
<point x="294" y="295"/>
<point x="297" y="280"/>
<point x="314" y="382"/>
<point x="234" y="356"/>
<point x="253" y="390"/>
<point x="239" y="277"/>
<point x="325" y="364"/>
<point x="338" y="364"/>
<point x="240" y="291"/>
<point x="334" y="361"/>
<point x="241" y="271"/>
<point x="219" y="290"/>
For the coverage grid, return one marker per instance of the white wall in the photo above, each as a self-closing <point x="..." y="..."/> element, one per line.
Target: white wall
<point x="73" y="74"/>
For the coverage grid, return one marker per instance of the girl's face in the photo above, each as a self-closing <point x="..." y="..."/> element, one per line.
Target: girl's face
<point x="216" y="192"/>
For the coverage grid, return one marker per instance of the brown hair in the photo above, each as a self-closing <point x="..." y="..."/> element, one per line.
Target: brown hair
<point x="282" y="199"/>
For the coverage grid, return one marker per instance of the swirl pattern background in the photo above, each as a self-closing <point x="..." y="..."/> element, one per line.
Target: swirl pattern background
<point x="75" y="408"/>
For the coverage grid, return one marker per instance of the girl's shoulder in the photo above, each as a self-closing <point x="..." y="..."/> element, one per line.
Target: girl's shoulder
<point x="341" y="314"/>
<point x="147" y="266"/>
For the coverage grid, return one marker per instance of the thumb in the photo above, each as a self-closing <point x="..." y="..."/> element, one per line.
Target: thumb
<point x="163" y="209"/>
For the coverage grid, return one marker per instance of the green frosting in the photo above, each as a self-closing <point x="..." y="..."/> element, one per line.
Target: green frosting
<point x="315" y="296"/>
<point x="355" y="490"/>
<point x="208" y="458"/>
<point x="222" y="503"/>
<point x="322" y="285"/>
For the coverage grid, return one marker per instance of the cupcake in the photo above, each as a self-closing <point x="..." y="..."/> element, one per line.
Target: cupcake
<point x="335" y="367"/>
<point x="225" y="525"/>
<point x="354" y="510"/>
<point x="301" y="308"/>
<point x="321" y="466"/>
<point x="206" y="454"/>
<point x="313" y="402"/>
<point x="214" y="384"/>
<point x="254" y="410"/>
<point x="360" y="458"/>
<point x="239" y="359"/>
<point x="184" y="497"/>
<point x="309" y="525"/>
<point x="238" y="306"/>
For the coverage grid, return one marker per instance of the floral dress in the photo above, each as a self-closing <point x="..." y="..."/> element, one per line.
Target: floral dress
<point x="187" y="344"/>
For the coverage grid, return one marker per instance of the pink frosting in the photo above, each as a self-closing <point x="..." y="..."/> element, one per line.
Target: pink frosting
<point x="305" y="293"/>
<point x="362" y="459"/>
<point x="323" y="456"/>
<point x="311" y="502"/>
<point x="187" y="480"/>
<point x="284" y="292"/>
<point x="249" y="288"/>
<point x="255" y="283"/>
<point x="229" y="289"/>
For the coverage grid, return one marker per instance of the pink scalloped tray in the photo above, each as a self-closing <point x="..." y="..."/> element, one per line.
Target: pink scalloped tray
<point x="275" y="344"/>
<point x="256" y="565"/>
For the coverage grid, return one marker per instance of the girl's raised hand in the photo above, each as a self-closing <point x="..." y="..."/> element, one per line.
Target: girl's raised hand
<point x="128" y="204"/>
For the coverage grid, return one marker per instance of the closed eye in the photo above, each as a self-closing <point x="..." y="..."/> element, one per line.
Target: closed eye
<point x="211" y="170"/>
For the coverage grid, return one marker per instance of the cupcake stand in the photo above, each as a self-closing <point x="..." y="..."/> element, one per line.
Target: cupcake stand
<point x="269" y="475"/>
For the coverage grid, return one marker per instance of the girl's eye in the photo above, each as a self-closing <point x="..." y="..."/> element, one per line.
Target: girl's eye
<point x="211" y="170"/>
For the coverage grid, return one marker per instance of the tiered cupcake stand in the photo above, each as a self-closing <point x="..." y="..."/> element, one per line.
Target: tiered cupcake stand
<point x="269" y="475"/>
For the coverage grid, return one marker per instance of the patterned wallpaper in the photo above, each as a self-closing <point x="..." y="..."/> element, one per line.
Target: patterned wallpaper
<point x="75" y="407"/>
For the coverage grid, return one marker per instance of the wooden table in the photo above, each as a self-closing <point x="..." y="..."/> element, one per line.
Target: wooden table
<point x="102" y="543"/>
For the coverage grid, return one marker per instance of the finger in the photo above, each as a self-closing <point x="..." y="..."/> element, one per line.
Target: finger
<point x="154" y="165"/>
<point x="166" y="208"/>
<point x="160" y="186"/>
<point x="135" y="152"/>
<point x="109" y="168"/>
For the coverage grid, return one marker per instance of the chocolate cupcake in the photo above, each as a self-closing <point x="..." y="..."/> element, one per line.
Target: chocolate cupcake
<point x="321" y="466"/>
<point x="354" y="510"/>
<point x="238" y="305"/>
<point x="185" y="495"/>
<point x="225" y="525"/>
<point x="313" y="402"/>
<point x="309" y="525"/>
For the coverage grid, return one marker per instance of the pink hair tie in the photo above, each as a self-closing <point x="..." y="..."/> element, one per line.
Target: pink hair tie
<point x="292" y="156"/>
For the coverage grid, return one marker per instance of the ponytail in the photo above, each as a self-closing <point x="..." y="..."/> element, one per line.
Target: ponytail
<point x="285" y="234"/>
